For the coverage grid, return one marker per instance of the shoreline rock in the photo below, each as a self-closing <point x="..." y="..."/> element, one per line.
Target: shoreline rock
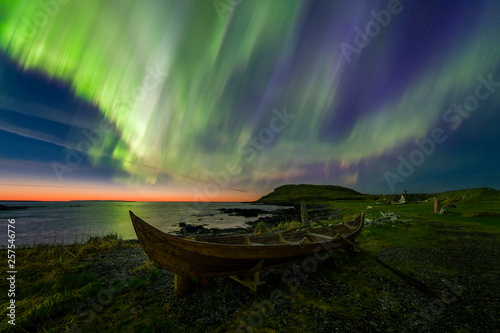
<point x="3" y="208"/>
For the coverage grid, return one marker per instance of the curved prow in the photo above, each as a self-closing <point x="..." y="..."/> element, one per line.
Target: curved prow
<point x="359" y="222"/>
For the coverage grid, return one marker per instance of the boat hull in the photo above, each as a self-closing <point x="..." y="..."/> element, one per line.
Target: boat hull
<point x="208" y="257"/>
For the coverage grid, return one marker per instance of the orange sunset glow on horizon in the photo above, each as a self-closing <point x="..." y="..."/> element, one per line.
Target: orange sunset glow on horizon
<point x="77" y="191"/>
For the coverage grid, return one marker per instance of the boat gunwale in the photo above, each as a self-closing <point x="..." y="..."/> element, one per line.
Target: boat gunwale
<point x="186" y="240"/>
<point x="193" y="258"/>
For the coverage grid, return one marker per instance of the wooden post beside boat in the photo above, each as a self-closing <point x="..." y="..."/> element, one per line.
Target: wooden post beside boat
<point x="182" y="285"/>
<point x="306" y="219"/>
<point x="306" y="223"/>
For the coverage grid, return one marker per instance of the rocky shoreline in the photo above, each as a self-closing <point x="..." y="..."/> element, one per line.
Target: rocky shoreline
<point x="270" y="217"/>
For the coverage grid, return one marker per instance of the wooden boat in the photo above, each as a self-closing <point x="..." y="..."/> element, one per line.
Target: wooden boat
<point x="238" y="254"/>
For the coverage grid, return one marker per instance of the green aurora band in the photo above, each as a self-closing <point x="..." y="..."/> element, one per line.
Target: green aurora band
<point x="170" y="75"/>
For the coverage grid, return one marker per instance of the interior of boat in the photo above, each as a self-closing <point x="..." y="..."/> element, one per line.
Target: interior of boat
<point x="315" y="235"/>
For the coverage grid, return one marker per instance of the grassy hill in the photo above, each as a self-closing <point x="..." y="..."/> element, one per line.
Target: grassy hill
<point x="293" y="194"/>
<point x="288" y="194"/>
<point x="470" y="195"/>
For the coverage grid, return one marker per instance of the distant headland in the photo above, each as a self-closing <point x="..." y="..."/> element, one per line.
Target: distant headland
<point x="293" y="194"/>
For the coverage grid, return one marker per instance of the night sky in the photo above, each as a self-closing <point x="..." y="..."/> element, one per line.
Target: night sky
<point x="228" y="99"/>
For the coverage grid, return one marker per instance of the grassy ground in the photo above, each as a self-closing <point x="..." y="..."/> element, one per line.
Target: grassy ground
<point x="51" y="282"/>
<point x="60" y="288"/>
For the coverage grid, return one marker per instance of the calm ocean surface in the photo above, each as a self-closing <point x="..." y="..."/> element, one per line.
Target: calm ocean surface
<point x="67" y="222"/>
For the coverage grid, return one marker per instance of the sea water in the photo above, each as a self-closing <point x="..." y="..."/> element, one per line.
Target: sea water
<point x="75" y="221"/>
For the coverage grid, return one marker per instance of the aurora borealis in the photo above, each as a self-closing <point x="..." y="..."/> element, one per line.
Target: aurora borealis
<point x="225" y="100"/>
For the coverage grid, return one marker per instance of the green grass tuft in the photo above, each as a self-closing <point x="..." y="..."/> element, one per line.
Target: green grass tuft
<point x="154" y="275"/>
<point x="283" y="226"/>
<point x="260" y="228"/>
<point x="137" y="283"/>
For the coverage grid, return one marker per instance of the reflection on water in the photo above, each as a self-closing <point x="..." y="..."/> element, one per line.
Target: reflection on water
<point x="69" y="222"/>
